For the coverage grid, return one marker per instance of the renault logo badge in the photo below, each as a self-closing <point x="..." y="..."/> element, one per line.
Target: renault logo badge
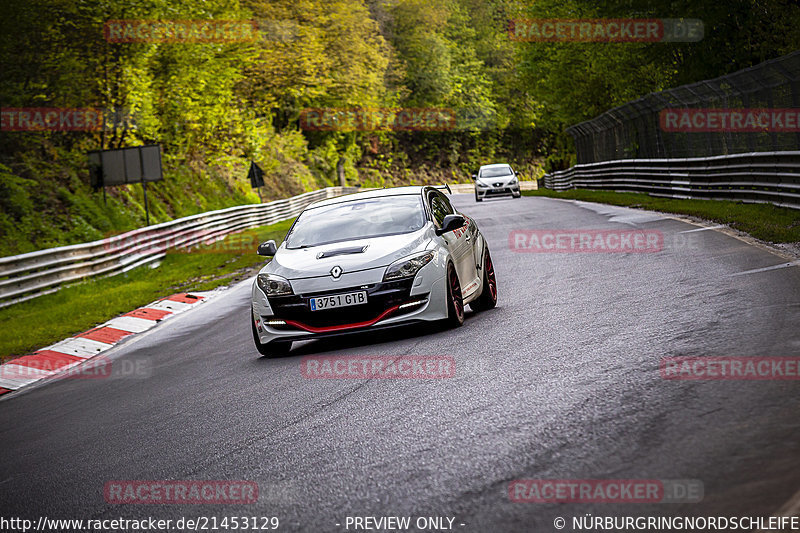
<point x="336" y="272"/>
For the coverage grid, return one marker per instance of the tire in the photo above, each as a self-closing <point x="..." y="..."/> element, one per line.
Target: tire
<point x="455" y="304"/>
<point x="488" y="298"/>
<point x="516" y="195"/>
<point x="478" y="198"/>
<point x="270" y="349"/>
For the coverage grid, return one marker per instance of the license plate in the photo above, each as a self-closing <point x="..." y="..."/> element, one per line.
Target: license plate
<point x="338" y="300"/>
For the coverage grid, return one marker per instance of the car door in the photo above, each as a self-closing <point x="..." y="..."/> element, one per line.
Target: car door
<point x="459" y="242"/>
<point x="471" y="271"/>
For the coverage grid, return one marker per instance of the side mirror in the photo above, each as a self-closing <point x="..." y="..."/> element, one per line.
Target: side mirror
<point x="474" y="177"/>
<point x="268" y="248"/>
<point x="450" y="223"/>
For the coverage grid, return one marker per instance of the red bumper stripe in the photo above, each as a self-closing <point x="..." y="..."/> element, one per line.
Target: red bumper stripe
<point x="3" y="391"/>
<point x="343" y="327"/>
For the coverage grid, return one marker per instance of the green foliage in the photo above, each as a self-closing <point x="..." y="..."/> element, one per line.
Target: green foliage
<point x="214" y="107"/>
<point x="573" y="82"/>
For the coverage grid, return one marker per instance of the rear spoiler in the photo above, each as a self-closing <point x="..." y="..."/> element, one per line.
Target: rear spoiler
<point x="443" y="187"/>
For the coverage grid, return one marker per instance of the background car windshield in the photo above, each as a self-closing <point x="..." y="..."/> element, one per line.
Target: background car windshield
<point x="495" y="172"/>
<point x="358" y="219"/>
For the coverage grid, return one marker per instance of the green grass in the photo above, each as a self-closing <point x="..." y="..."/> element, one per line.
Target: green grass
<point x="41" y="321"/>
<point x="763" y="221"/>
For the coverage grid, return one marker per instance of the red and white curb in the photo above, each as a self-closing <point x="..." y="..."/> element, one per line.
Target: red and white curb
<point x="73" y="351"/>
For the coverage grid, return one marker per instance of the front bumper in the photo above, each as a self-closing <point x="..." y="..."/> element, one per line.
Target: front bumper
<point x="388" y="304"/>
<point x="511" y="190"/>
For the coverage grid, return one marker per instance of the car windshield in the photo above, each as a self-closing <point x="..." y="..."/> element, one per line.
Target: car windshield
<point x="358" y="219"/>
<point x="495" y="172"/>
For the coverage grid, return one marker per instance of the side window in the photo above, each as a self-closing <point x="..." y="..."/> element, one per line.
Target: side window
<point x="447" y="203"/>
<point x="440" y="208"/>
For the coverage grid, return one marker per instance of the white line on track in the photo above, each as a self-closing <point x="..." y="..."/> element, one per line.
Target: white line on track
<point x="765" y="269"/>
<point x="703" y="229"/>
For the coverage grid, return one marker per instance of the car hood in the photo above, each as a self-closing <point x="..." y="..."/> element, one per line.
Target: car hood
<point x="377" y="252"/>
<point x="502" y="180"/>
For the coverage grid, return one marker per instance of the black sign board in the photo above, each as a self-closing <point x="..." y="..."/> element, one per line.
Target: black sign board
<point x="126" y="165"/>
<point x="256" y="175"/>
<point x="139" y="164"/>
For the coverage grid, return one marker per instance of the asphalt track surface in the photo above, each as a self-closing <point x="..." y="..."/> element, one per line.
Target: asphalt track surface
<point x="560" y="381"/>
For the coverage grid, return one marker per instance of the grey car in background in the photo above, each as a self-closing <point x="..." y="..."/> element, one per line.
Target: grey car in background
<point x="496" y="180"/>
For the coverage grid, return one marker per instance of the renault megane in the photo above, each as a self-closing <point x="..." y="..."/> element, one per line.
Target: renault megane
<point x="374" y="259"/>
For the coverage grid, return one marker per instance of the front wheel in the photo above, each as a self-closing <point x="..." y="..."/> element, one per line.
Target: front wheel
<point x="270" y="349"/>
<point x="488" y="297"/>
<point x="455" y="304"/>
<point x="478" y="198"/>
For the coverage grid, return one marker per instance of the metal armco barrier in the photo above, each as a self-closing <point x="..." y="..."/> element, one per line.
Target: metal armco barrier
<point x="27" y="276"/>
<point x="757" y="177"/>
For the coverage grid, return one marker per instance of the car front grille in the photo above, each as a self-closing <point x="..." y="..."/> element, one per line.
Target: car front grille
<point x="380" y="297"/>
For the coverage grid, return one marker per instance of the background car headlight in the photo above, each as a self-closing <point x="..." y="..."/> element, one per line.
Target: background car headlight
<point x="406" y="268"/>
<point x="273" y="285"/>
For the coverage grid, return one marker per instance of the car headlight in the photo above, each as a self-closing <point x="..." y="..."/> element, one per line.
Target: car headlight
<point x="481" y="184"/>
<point x="408" y="267"/>
<point x="273" y="285"/>
<point x="512" y="181"/>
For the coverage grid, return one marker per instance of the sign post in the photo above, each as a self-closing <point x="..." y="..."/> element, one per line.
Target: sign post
<point x="144" y="190"/>
<point x="256" y="176"/>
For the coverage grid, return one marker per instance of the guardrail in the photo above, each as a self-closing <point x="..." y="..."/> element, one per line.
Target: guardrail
<point x="27" y="276"/>
<point x="758" y="177"/>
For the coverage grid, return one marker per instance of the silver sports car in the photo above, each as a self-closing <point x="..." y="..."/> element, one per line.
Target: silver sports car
<point x="369" y="260"/>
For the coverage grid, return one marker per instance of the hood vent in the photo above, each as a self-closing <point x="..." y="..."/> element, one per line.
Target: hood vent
<point x="343" y="251"/>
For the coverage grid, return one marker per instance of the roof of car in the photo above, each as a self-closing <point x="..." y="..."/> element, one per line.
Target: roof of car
<point x="495" y="165"/>
<point x="373" y="193"/>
